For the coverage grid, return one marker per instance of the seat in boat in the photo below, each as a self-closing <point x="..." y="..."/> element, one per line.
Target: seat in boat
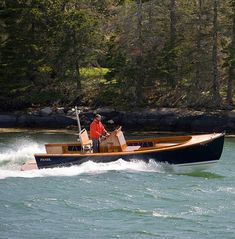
<point x="123" y="145"/>
<point x="86" y="143"/>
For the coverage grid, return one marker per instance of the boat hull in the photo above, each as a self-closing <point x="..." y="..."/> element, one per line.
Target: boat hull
<point x="200" y="155"/>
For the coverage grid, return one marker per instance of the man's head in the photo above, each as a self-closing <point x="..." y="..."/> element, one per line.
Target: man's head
<point x="98" y="117"/>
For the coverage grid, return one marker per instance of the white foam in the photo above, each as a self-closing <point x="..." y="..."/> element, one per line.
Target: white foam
<point x="20" y="152"/>
<point x="11" y="160"/>
<point x="226" y="190"/>
<point x="85" y="168"/>
<point x="161" y="214"/>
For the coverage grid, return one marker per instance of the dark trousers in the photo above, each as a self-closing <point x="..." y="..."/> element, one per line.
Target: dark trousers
<point x="96" y="145"/>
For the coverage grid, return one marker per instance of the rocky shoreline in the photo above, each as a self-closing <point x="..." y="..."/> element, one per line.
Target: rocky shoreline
<point x="163" y="119"/>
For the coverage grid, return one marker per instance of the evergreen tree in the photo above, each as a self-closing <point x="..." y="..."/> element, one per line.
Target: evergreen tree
<point x="159" y="52"/>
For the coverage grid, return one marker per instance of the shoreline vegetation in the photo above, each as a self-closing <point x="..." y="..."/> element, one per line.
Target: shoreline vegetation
<point x="157" y="120"/>
<point x="146" y="65"/>
<point x="124" y="54"/>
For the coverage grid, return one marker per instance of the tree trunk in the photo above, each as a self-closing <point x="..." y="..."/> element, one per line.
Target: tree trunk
<point x="173" y="22"/>
<point x="215" y="87"/>
<point x="139" y="25"/>
<point x="231" y="75"/>
<point x="150" y="17"/>
<point x="126" y="26"/>
<point x="75" y="54"/>
<point x="199" y="46"/>
<point x="78" y="79"/>
<point x="172" y="63"/>
<point x="32" y="66"/>
<point x="196" y="88"/>
<point x="138" y="61"/>
<point x="76" y="65"/>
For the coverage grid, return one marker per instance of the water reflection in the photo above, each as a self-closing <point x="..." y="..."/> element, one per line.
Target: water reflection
<point x="203" y="174"/>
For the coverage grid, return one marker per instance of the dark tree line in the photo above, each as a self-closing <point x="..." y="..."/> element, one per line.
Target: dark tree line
<point x="171" y="53"/>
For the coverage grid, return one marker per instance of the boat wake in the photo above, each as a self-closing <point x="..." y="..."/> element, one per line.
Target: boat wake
<point x="12" y="159"/>
<point x="85" y="168"/>
<point x="20" y="152"/>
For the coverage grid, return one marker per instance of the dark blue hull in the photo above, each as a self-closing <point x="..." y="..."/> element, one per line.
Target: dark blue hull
<point x="204" y="152"/>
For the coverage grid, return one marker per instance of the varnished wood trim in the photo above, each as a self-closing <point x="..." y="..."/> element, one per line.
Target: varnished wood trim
<point x="202" y="139"/>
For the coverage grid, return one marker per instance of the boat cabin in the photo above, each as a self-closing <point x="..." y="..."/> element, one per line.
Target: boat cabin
<point x="116" y="142"/>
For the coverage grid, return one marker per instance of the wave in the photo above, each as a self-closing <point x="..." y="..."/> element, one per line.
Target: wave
<point x="85" y="168"/>
<point x="19" y="152"/>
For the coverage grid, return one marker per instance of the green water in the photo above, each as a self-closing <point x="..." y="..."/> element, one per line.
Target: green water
<point x="115" y="200"/>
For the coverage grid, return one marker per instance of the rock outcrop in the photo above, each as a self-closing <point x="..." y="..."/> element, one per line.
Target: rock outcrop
<point x="164" y="119"/>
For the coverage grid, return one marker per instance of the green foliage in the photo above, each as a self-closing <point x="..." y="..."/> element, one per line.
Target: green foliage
<point x="46" y="44"/>
<point x="124" y="53"/>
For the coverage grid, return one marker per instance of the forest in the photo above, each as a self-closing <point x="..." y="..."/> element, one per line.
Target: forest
<point x="126" y="54"/>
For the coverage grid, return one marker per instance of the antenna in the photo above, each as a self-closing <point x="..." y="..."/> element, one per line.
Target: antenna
<point x="78" y="119"/>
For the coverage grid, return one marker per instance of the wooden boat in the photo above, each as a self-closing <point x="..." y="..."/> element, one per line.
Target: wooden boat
<point x="199" y="151"/>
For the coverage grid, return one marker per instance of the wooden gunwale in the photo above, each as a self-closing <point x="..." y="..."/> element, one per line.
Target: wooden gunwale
<point x="155" y="140"/>
<point x="193" y="140"/>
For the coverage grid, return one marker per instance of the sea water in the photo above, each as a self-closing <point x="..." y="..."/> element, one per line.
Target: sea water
<point x="114" y="200"/>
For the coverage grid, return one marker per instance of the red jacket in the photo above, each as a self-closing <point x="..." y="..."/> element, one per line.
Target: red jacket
<point x="96" y="129"/>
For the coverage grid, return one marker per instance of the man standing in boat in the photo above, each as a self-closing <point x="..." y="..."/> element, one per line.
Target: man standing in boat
<point x="97" y="130"/>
